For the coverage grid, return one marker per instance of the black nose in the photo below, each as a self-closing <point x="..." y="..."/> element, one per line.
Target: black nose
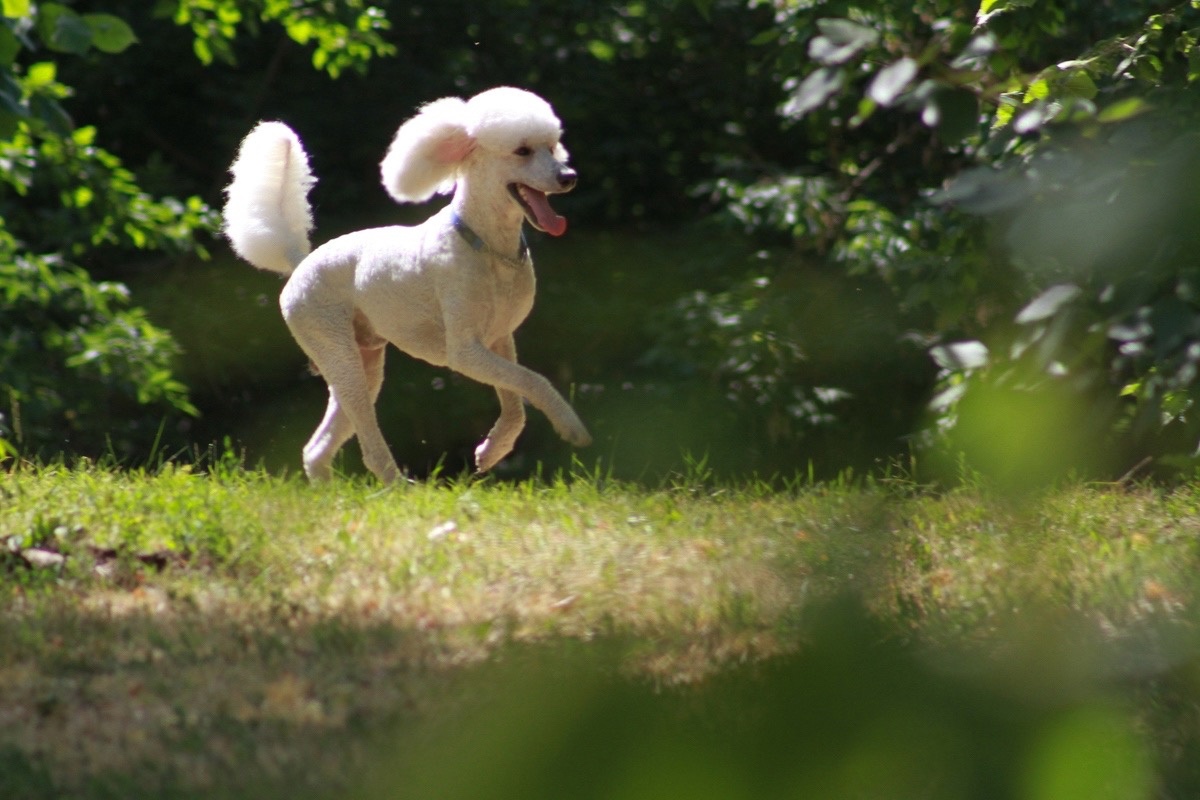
<point x="567" y="179"/>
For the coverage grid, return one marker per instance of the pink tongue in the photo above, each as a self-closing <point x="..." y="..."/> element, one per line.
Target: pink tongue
<point x="547" y="220"/>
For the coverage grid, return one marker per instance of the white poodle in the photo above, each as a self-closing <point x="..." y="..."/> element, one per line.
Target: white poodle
<point x="450" y="291"/>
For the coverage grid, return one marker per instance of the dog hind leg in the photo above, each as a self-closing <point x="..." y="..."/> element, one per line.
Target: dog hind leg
<point x="336" y="429"/>
<point x="333" y="432"/>
<point x="354" y="373"/>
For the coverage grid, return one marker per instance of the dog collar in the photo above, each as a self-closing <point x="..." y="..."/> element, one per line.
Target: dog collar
<point x="480" y="246"/>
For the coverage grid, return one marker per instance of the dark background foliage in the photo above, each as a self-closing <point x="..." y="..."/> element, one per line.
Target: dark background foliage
<point x="809" y="236"/>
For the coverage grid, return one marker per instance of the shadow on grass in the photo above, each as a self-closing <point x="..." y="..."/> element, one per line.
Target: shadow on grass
<point x="274" y="708"/>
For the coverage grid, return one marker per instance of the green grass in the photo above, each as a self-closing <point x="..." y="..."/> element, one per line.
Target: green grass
<point x="238" y="634"/>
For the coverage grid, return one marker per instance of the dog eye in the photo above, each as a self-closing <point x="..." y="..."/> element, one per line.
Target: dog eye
<point x="523" y="151"/>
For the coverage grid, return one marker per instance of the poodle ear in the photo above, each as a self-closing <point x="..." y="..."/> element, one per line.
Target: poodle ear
<point x="425" y="154"/>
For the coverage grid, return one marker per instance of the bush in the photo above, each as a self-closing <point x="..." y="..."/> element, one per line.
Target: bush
<point x="1020" y="179"/>
<point x="80" y="370"/>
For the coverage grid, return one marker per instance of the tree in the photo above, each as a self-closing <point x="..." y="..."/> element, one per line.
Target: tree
<point x="1018" y="175"/>
<point x="83" y="370"/>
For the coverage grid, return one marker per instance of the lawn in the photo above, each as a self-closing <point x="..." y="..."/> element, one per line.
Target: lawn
<point x="235" y="634"/>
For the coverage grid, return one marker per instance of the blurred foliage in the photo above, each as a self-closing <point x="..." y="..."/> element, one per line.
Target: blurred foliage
<point x="854" y="714"/>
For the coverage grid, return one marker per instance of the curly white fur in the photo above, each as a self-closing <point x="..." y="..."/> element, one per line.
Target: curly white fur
<point x="267" y="216"/>
<point x="425" y="154"/>
<point x="437" y="293"/>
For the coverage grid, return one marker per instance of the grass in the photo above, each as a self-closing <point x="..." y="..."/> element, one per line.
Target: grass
<point x="236" y="634"/>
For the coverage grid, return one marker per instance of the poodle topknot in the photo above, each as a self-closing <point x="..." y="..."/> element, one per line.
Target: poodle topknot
<point x="429" y="149"/>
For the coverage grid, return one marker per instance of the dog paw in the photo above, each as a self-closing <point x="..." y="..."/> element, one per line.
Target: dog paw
<point x="385" y="469"/>
<point x="489" y="453"/>
<point x="318" y="471"/>
<point x="575" y="434"/>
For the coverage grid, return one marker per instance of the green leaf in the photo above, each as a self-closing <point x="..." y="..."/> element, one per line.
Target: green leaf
<point x="814" y="91"/>
<point x="10" y="45"/>
<point x="1079" y="84"/>
<point x="891" y="81"/>
<point x="769" y="36"/>
<point x="10" y="96"/>
<point x="62" y="30"/>
<point x="601" y="50"/>
<point x="109" y="34"/>
<point x="866" y="107"/>
<point x="51" y="113"/>
<point x="9" y="123"/>
<point x="960" y="115"/>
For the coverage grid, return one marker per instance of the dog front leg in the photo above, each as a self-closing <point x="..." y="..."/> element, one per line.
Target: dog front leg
<point x="503" y="435"/>
<point x="472" y="359"/>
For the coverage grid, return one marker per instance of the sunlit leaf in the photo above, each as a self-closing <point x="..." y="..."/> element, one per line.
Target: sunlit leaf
<point x="839" y="41"/>
<point x="1048" y="303"/>
<point x="601" y="50"/>
<point x="814" y="91"/>
<point x="978" y="49"/>
<point x="959" y="356"/>
<point x="891" y="81"/>
<point x="203" y="50"/>
<point x="1032" y="118"/>
<point x="991" y="8"/>
<point x="41" y="74"/>
<point x="1123" y="109"/>
<point x="15" y="8"/>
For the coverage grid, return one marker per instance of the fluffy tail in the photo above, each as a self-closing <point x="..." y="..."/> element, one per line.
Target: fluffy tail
<point x="267" y="216"/>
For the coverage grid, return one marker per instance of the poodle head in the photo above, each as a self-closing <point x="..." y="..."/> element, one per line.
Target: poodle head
<point x="503" y="141"/>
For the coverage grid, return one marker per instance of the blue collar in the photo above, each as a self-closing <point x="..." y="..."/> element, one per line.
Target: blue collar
<point x="479" y="245"/>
